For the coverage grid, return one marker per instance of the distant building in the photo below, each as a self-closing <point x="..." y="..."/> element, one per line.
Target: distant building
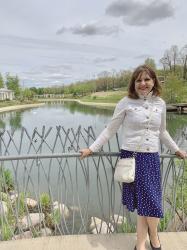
<point x="6" y="94"/>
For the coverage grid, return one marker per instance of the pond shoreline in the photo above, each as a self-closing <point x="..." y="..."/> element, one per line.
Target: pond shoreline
<point x="18" y="107"/>
<point x="170" y="107"/>
<point x="95" y="104"/>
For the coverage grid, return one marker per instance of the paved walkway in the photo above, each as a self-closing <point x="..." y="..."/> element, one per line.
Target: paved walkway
<point x="170" y="241"/>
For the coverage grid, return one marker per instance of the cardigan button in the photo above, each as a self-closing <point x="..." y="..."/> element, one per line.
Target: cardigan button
<point x="148" y="149"/>
<point x="146" y="107"/>
<point x="147" y="139"/>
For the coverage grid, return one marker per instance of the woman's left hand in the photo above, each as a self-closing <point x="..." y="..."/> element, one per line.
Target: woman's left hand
<point x="182" y="154"/>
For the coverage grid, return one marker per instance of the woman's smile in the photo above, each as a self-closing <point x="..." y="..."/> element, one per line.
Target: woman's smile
<point x="144" y="84"/>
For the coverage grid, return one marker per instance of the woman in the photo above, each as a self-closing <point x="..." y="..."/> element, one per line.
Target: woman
<point x="142" y="115"/>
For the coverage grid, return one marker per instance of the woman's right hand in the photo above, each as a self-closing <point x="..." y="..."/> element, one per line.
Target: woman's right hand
<point x="85" y="152"/>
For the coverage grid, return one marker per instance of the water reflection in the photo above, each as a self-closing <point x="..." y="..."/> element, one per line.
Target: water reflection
<point x="11" y="119"/>
<point x="2" y="124"/>
<point x="75" y="107"/>
<point x="176" y="123"/>
<point x="15" y="120"/>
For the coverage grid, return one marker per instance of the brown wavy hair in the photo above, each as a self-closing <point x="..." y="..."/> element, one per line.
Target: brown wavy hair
<point x="136" y="74"/>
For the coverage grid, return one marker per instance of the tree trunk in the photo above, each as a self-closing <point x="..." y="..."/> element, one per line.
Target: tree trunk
<point x="185" y="68"/>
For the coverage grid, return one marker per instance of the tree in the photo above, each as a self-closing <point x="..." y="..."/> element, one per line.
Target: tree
<point x="183" y="54"/>
<point x="171" y="59"/>
<point x="1" y="81"/>
<point x="28" y="94"/>
<point x="150" y="62"/>
<point x="173" y="89"/>
<point x="104" y="75"/>
<point x="34" y="89"/>
<point x="12" y="83"/>
<point x="174" y="55"/>
<point x="166" y="60"/>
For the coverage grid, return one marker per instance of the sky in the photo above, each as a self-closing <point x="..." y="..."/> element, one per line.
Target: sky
<point x="58" y="42"/>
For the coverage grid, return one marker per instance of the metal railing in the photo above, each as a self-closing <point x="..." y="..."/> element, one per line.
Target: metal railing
<point x="45" y="189"/>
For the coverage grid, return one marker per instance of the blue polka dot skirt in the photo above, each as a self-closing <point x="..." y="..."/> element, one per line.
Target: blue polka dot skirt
<point x="144" y="194"/>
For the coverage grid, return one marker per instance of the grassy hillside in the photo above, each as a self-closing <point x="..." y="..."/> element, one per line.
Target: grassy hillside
<point x="106" y="97"/>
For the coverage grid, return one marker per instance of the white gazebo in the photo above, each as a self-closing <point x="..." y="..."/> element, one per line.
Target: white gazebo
<point x="6" y="94"/>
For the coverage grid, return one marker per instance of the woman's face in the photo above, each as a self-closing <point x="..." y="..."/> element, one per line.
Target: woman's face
<point x="144" y="84"/>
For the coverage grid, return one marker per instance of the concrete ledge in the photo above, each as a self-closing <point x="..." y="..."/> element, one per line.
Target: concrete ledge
<point x="169" y="241"/>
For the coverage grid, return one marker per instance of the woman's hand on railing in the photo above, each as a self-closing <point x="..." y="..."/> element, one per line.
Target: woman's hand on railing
<point x="182" y="154"/>
<point x="85" y="152"/>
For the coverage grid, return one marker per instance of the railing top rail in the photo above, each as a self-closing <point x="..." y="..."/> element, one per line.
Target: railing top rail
<point x="66" y="155"/>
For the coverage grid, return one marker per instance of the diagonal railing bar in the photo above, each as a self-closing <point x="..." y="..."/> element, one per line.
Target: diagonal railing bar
<point x="31" y="138"/>
<point x="58" y="128"/>
<point x="71" y="147"/>
<point x="76" y="136"/>
<point x="43" y="137"/>
<point x="66" y="136"/>
<point x="21" y="140"/>
<point x="92" y="134"/>
<point x="39" y="136"/>
<point x="11" y="135"/>
<point x="85" y="139"/>
<point x="59" y="138"/>
<point x="8" y="143"/>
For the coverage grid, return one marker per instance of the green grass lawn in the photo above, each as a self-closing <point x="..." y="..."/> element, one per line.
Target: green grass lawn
<point x="105" y="97"/>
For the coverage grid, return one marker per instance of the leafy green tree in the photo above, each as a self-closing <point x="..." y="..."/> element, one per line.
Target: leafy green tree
<point x="174" y="89"/>
<point x="1" y="81"/>
<point x="34" y="89"/>
<point x="40" y="91"/>
<point x="12" y="83"/>
<point x="27" y="94"/>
